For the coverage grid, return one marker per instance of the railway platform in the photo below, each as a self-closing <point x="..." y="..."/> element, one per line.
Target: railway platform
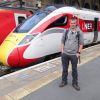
<point x="41" y="81"/>
<point x="89" y="76"/>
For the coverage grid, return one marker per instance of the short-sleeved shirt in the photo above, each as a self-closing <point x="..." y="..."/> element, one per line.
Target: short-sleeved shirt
<point x="71" y="45"/>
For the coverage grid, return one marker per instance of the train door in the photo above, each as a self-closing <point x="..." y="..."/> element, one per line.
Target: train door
<point x="95" y="29"/>
<point x="19" y="18"/>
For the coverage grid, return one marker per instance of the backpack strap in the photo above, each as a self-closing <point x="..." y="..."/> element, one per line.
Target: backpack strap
<point x="78" y="36"/>
<point x="66" y="36"/>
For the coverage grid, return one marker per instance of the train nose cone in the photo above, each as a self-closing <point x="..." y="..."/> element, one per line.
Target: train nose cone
<point x="9" y="54"/>
<point x="13" y="58"/>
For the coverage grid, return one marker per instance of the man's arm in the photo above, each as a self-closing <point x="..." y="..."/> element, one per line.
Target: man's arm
<point x="62" y="43"/>
<point x="62" y="47"/>
<point x="81" y="43"/>
<point x="79" y="52"/>
<point x="80" y="48"/>
<point x="63" y="40"/>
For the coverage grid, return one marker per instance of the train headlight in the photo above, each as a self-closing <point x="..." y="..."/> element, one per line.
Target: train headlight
<point x="27" y="39"/>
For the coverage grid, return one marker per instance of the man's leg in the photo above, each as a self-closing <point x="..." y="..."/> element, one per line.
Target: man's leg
<point x="74" y="61"/>
<point x="65" y="64"/>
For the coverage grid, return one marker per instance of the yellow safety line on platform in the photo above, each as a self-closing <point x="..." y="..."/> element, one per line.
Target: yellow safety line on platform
<point x="35" y="85"/>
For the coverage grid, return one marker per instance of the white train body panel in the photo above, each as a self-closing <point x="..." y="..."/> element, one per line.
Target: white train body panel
<point x="42" y="45"/>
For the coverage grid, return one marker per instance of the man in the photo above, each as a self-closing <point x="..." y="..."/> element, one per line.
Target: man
<point x="71" y="47"/>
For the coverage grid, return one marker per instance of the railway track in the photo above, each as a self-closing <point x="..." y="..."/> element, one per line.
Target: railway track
<point x="5" y="70"/>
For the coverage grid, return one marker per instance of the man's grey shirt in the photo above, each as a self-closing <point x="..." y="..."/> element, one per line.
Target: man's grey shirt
<point x="72" y="42"/>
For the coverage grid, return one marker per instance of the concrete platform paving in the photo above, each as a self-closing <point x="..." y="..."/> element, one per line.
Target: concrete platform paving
<point x="19" y="84"/>
<point x="89" y="77"/>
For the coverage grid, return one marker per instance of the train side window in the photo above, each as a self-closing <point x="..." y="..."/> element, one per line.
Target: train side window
<point x="62" y="21"/>
<point x="20" y="19"/>
<point x="53" y="30"/>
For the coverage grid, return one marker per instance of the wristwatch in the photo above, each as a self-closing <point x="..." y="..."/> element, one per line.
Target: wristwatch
<point x="79" y="52"/>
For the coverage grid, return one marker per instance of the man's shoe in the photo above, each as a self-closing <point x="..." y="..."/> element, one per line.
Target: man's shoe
<point x="76" y="87"/>
<point x="62" y="84"/>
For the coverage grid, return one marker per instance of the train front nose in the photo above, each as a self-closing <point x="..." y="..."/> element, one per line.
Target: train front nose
<point x="9" y="54"/>
<point x="7" y="57"/>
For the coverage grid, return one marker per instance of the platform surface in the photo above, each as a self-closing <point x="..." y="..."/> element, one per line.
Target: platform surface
<point x="42" y="80"/>
<point x="89" y="80"/>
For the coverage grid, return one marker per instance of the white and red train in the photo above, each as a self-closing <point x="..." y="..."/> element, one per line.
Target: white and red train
<point x="9" y="19"/>
<point x="40" y="35"/>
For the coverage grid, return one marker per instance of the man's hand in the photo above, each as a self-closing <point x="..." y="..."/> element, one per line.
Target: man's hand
<point x="78" y="55"/>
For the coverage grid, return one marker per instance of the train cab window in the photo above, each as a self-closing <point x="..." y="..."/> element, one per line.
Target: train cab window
<point x="62" y="21"/>
<point x="30" y="22"/>
<point x="20" y="19"/>
<point x="34" y="20"/>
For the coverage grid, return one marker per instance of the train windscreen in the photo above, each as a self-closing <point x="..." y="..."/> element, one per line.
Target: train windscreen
<point x="32" y="21"/>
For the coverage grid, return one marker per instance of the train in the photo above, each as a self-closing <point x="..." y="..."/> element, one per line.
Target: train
<point x="9" y="19"/>
<point x="40" y="35"/>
